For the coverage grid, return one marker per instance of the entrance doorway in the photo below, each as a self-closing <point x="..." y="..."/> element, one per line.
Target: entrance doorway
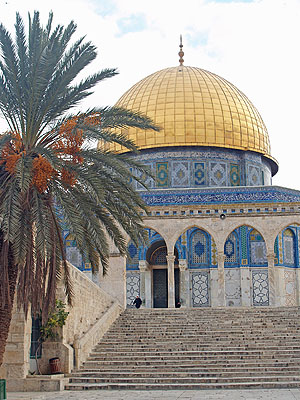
<point x="156" y="256"/>
<point x="160" y="287"/>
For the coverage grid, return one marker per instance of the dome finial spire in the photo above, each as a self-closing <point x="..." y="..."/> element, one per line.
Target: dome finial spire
<point x="181" y="53"/>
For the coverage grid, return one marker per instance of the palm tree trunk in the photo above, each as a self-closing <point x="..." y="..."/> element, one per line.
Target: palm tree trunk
<point x="7" y="308"/>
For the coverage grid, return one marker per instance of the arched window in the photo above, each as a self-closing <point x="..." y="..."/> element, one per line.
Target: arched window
<point x="159" y="256"/>
<point x="133" y="256"/>
<point x="199" y="246"/>
<point x="73" y="255"/>
<point x="231" y="250"/>
<point x="289" y="247"/>
<point x="258" y="251"/>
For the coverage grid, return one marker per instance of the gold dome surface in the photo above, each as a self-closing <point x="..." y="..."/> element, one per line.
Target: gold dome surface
<point x="194" y="107"/>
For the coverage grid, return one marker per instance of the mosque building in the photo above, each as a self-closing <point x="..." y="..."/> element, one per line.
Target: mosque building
<point x="219" y="233"/>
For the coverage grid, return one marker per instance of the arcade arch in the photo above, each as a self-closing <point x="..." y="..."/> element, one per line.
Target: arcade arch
<point x="246" y="268"/>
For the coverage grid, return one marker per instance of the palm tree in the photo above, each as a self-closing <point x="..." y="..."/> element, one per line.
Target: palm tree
<point x="47" y="163"/>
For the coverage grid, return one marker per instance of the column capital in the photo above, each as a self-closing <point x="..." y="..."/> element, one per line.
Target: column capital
<point x="170" y="258"/>
<point x="221" y="258"/>
<point x="182" y="264"/>
<point x="143" y="265"/>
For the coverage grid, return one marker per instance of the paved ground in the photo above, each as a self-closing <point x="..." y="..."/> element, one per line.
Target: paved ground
<point x="254" y="394"/>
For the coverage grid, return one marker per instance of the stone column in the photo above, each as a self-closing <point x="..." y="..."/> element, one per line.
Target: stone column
<point x="280" y="286"/>
<point x="145" y="283"/>
<point x="245" y="286"/>
<point x="171" y="281"/>
<point x="221" y="280"/>
<point x="183" y="283"/>
<point x="272" y="283"/>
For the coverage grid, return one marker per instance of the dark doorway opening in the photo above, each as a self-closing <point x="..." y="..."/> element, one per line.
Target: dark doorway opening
<point x="160" y="287"/>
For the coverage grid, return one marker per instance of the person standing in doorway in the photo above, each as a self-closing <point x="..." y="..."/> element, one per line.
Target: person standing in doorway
<point x="137" y="302"/>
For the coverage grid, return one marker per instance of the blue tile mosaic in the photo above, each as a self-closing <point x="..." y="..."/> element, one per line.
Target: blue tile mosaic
<point x="263" y="194"/>
<point x="180" y="174"/>
<point x="199" y="174"/>
<point x="235" y="177"/>
<point x="203" y="166"/>
<point x="162" y="177"/>
<point x="218" y="174"/>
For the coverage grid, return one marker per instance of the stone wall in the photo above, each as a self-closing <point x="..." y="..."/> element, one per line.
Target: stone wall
<point x="90" y="303"/>
<point x="92" y="308"/>
<point x="114" y="282"/>
<point x="91" y="315"/>
<point x="16" y="357"/>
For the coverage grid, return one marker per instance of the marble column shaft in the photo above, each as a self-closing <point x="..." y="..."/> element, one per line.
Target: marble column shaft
<point x="171" y="281"/>
<point x="145" y="283"/>
<point x="184" y="283"/>
<point x="221" y="280"/>
<point x="272" y="283"/>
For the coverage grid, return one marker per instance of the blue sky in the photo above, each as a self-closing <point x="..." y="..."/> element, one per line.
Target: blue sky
<point x="253" y="44"/>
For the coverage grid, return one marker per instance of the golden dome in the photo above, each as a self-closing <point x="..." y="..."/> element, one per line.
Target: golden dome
<point x="194" y="107"/>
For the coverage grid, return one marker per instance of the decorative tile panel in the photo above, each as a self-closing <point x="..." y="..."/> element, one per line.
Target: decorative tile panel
<point x="298" y="241"/>
<point x="132" y="287"/>
<point x="199" y="174"/>
<point x="145" y="178"/>
<point x="200" y="289"/>
<point x="180" y="174"/>
<point x="258" y="253"/>
<point x="233" y="287"/>
<point x="235" y="175"/>
<point x="289" y="247"/>
<point x="132" y="261"/>
<point x="214" y="253"/>
<point x="231" y="249"/>
<point x="74" y="257"/>
<point x="253" y="176"/>
<point x="280" y="249"/>
<point x="198" y="249"/>
<point x="162" y="174"/>
<point x="243" y="238"/>
<point x="225" y="195"/>
<point x="218" y="174"/>
<point x="276" y="252"/>
<point x="260" y="287"/>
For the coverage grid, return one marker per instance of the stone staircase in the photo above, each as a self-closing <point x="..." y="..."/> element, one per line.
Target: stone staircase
<point x="196" y="349"/>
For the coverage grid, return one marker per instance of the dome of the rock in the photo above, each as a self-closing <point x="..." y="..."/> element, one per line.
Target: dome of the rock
<point x="195" y="107"/>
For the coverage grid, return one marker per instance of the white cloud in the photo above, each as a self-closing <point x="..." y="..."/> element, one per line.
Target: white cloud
<point x="253" y="44"/>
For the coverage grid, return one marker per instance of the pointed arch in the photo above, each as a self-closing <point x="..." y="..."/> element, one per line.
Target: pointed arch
<point x="245" y="246"/>
<point x="232" y="250"/>
<point x="257" y="248"/>
<point x="197" y="247"/>
<point x="135" y="253"/>
<point x="287" y="246"/>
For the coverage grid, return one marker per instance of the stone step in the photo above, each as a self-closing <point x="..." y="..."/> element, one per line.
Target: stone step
<point x="196" y="349"/>
<point x="189" y="379"/>
<point x="187" y="368"/>
<point x="185" y="374"/>
<point x="148" y="387"/>
<point x="171" y="369"/>
<point x="155" y="352"/>
<point x="180" y="339"/>
<point x="175" y="362"/>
